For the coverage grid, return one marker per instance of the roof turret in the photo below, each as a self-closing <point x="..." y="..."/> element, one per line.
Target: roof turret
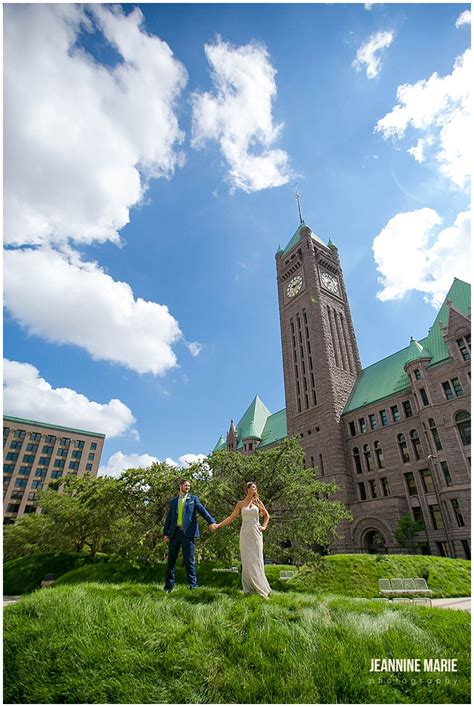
<point x="416" y="351"/>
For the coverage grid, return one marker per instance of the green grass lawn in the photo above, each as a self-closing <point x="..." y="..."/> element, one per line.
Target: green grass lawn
<point x="132" y="643"/>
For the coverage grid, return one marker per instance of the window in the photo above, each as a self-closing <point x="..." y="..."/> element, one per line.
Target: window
<point x="416" y="444"/>
<point x="76" y="454"/>
<point x="395" y="413"/>
<point x="463" y="422"/>
<point x="457" y="512"/>
<point x="464" y="347"/>
<point x="35" y="436"/>
<point x="93" y="445"/>
<point x="383" y="418"/>
<point x="362" y="424"/>
<point x="418" y="514"/>
<point x="91" y="456"/>
<point x="457" y="387"/>
<point x="372" y="422"/>
<point x="402" y="446"/>
<point x="6" y="481"/>
<point x="436" y="517"/>
<point x="367" y="457"/>
<point x="385" y="488"/>
<point x="13" y="507"/>
<point x="357" y="462"/>
<point x="74" y="465"/>
<point x="44" y="461"/>
<point x="417" y="374"/>
<point x="6" y="430"/>
<point x="411" y="484"/>
<point x="32" y="496"/>
<point x="56" y="474"/>
<point x="373" y="489"/>
<point x="79" y="444"/>
<point x="16" y="444"/>
<point x="12" y="456"/>
<point x="59" y="463"/>
<point x="28" y="458"/>
<point x="89" y="466"/>
<point x="352" y="429"/>
<point x="47" y="450"/>
<point x="407" y="408"/>
<point x="17" y="494"/>
<point x="62" y="452"/>
<point x="362" y="493"/>
<point x="41" y="473"/>
<point x="443" y="549"/>
<point x="427" y="480"/>
<point x="50" y="439"/>
<point x="21" y="483"/>
<point x="466" y="548"/>
<point x="447" y="475"/>
<point x="8" y="468"/>
<point x="64" y="442"/>
<point x="37" y="485"/>
<point x="435" y="435"/>
<point x="24" y="470"/>
<point x="447" y="390"/>
<point x="30" y="509"/>
<point x="424" y="397"/>
<point x="19" y="434"/>
<point x="379" y="455"/>
<point x="31" y="447"/>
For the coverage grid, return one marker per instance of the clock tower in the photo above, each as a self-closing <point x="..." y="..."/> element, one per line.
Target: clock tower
<point x="320" y="354"/>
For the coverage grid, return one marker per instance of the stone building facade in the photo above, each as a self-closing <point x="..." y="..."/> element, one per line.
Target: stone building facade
<point x="35" y="453"/>
<point x="395" y="436"/>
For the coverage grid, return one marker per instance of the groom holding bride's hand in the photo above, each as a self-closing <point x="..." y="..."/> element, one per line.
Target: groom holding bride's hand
<point x="181" y="529"/>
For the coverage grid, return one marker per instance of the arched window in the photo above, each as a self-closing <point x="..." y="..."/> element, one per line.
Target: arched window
<point x="356" y="457"/>
<point x="435" y="434"/>
<point x="416" y="444"/>
<point x="379" y="454"/>
<point x="367" y="455"/>
<point x="402" y="445"/>
<point x="463" y="422"/>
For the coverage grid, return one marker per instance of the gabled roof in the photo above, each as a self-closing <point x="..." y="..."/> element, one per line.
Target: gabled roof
<point x="275" y="429"/>
<point x="387" y="377"/>
<point x="252" y="421"/>
<point x="220" y="444"/>
<point x="296" y="238"/>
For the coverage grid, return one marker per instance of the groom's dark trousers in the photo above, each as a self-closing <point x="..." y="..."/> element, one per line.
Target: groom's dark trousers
<point x="183" y="536"/>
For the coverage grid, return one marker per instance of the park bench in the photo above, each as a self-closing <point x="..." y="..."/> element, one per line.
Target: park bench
<point x="285" y="574"/>
<point x="48" y="580"/>
<point x="410" y="589"/>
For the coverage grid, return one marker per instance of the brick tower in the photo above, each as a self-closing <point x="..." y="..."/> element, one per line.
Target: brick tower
<point x="320" y="355"/>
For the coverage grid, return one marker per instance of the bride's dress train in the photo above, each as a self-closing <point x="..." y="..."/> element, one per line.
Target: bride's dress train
<point x="251" y="553"/>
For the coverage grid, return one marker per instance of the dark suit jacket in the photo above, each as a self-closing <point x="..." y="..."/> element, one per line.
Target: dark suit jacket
<point x="190" y="526"/>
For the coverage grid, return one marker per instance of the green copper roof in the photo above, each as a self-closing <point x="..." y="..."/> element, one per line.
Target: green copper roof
<point x="275" y="429"/>
<point x="22" y="421"/>
<point x="296" y="237"/>
<point x="252" y="421"/>
<point x="220" y="444"/>
<point x="416" y="351"/>
<point x="387" y="377"/>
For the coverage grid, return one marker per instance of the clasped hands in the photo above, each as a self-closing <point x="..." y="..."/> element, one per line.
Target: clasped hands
<point x="213" y="527"/>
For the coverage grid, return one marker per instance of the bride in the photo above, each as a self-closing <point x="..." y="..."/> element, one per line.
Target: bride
<point x="251" y="541"/>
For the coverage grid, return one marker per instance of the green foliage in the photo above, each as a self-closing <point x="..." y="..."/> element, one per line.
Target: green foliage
<point x="405" y="534"/>
<point x="134" y="644"/>
<point x="25" y="574"/>
<point x="124" y="517"/>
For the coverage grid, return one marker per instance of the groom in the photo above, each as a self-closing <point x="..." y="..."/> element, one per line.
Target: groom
<point x="180" y="529"/>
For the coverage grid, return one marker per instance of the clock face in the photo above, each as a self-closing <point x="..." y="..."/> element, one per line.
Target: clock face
<point x="330" y="282"/>
<point x="294" y="286"/>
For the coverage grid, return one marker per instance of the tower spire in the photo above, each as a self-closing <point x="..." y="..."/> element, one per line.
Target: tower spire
<point x="297" y="196"/>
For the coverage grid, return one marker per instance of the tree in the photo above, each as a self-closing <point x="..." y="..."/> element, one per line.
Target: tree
<point x="30" y="535"/>
<point x="405" y="534"/>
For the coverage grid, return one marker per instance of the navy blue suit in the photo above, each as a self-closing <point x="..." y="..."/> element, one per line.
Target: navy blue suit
<point x="184" y="537"/>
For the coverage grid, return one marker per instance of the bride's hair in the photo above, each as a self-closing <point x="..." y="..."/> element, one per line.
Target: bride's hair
<point x="248" y="485"/>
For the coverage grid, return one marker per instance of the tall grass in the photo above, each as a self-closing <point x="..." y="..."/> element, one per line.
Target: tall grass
<point x="132" y="643"/>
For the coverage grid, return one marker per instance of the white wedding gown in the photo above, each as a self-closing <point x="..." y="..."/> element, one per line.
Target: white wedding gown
<point x="251" y="553"/>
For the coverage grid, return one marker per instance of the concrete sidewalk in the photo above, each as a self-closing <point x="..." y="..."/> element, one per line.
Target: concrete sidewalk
<point x="10" y="600"/>
<point x="460" y="603"/>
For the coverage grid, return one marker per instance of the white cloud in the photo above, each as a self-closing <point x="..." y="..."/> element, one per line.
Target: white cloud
<point x="440" y="109"/>
<point x="239" y="116"/>
<point x="27" y="395"/>
<point x="463" y="19"/>
<point x="194" y="347"/>
<point x="368" y="6"/>
<point x="410" y="255"/>
<point x="82" y="138"/>
<point x="65" y="300"/>
<point x="119" y="462"/>
<point x="366" y="54"/>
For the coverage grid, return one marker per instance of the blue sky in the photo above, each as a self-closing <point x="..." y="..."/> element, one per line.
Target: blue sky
<point x="150" y="162"/>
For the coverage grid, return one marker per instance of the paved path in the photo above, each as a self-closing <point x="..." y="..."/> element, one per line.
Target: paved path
<point x="10" y="600"/>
